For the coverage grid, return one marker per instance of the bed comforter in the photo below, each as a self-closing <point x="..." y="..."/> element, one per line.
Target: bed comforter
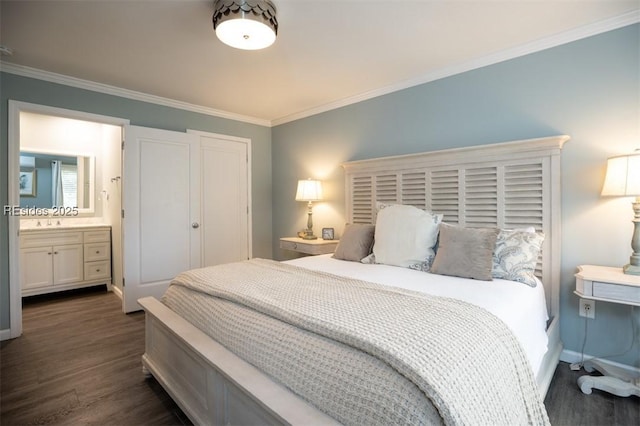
<point x="364" y="353"/>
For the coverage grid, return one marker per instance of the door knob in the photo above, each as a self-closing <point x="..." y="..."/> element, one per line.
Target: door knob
<point x="195" y="225"/>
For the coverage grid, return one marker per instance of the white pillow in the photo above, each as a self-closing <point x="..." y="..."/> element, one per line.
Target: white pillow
<point x="405" y="236"/>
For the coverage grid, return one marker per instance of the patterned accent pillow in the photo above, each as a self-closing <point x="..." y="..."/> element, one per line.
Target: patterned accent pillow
<point x="516" y="255"/>
<point x="421" y="266"/>
<point x="424" y="266"/>
<point x="405" y="236"/>
<point x="369" y="260"/>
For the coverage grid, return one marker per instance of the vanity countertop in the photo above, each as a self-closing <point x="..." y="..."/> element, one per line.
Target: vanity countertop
<point x="65" y="226"/>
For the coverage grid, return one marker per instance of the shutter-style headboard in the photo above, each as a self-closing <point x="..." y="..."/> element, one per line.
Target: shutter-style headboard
<point x="504" y="185"/>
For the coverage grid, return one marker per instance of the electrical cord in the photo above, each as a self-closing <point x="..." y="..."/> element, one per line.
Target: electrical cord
<point x="579" y="365"/>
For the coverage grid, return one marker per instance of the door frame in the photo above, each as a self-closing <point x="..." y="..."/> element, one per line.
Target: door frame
<point x="247" y="142"/>
<point x="13" y="192"/>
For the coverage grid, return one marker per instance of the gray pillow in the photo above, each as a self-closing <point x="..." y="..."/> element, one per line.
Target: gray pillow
<point x="465" y="252"/>
<point x="355" y="243"/>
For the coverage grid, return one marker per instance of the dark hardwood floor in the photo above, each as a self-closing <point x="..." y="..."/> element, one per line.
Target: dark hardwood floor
<point x="78" y="363"/>
<point x="567" y="405"/>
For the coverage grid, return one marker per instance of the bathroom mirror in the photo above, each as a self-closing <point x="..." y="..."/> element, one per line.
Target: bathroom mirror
<point x="49" y="180"/>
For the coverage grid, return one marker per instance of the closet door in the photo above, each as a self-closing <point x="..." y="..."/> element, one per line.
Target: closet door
<point x="161" y="207"/>
<point x="225" y="200"/>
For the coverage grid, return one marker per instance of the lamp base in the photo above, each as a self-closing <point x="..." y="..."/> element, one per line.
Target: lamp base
<point x="631" y="269"/>
<point x="309" y="236"/>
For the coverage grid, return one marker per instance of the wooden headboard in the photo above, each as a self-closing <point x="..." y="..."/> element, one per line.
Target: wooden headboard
<point x="506" y="185"/>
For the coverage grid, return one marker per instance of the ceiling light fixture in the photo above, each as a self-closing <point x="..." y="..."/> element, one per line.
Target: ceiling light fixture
<point x="245" y="24"/>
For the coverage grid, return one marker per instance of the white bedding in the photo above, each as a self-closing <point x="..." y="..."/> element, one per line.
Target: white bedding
<point x="521" y="307"/>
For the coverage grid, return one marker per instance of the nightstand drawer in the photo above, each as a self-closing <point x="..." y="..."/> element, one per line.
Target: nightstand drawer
<point x="607" y="284"/>
<point x="289" y="245"/>
<point x="616" y="292"/>
<point x="314" y="247"/>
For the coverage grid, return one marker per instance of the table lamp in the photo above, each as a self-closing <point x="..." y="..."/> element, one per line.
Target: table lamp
<point x="309" y="190"/>
<point x="623" y="180"/>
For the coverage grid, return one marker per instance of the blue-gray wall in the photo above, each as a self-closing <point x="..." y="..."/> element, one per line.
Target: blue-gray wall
<point x="588" y="89"/>
<point x="141" y="114"/>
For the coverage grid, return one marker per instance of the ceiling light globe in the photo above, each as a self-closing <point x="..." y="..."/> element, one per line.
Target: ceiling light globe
<point x="245" y="34"/>
<point x="245" y="24"/>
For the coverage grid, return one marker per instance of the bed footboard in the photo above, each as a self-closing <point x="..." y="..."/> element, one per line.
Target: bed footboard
<point x="211" y="384"/>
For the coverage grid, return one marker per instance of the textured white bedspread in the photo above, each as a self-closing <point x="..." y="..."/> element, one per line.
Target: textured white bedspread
<point x="521" y="307"/>
<point x="464" y="359"/>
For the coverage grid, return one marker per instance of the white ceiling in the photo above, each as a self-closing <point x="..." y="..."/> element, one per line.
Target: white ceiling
<point x="327" y="54"/>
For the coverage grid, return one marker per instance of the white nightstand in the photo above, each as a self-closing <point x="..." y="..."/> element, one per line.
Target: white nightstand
<point x="300" y="245"/>
<point x="609" y="285"/>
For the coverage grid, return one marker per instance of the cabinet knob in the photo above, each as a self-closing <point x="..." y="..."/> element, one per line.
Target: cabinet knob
<point x="55" y="252"/>
<point x="98" y="270"/>
<point x="195" y="225"/>
<point x="49" y="253"/>
<point x="97" y="251"/>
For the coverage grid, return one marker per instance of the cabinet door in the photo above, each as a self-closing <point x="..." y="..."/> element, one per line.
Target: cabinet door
<point x="36" y="267"/>
<point x="68" y="266"/>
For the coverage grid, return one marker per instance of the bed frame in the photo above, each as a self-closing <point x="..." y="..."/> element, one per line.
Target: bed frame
<point x="508" y="185"/>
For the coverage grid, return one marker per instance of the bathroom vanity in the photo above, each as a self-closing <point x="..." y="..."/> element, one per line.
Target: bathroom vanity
<point x="56" y="258"/>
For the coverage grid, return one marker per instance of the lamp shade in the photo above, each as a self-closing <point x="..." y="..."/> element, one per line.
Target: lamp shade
<point x="245" y="24"/>
<point x="623" y="176"/>
<point x="309" y="190"/>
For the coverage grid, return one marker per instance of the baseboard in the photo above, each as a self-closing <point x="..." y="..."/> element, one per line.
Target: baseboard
<point x="117" y="291"/>
<point x="572" y="356"/>
<point x="5" y="334"/>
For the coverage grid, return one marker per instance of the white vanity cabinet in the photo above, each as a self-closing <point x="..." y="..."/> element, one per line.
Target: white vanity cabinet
<point x="65" y="258"/>
<point x="97" y="254"/>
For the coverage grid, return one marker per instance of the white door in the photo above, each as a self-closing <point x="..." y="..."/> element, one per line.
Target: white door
<point x="225" y="198"/>
<point x="161" y="192"/>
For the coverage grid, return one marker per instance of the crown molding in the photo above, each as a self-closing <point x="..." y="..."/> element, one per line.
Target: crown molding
<point x="575" y="34"/>
<point x="584" y="31"/>
<point x="79" y="83"/>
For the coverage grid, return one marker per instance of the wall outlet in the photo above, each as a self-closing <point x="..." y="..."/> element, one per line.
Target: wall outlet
<point x="587" y="308"/>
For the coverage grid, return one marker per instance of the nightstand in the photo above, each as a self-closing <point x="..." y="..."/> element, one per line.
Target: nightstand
<point x="608" y="285"/>
<point x="314" y="247"/>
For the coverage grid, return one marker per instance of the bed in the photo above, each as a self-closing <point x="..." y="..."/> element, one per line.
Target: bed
<point x="512" y="185"/>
